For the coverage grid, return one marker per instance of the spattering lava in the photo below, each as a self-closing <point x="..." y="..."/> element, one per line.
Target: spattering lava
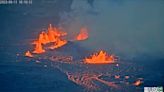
<point x="93" y="77"/>
<point x="100" y="58"/>
<point x="28" y="54"/>
<point x="52" y="35"/>
<point x="83" y="35"/>
<point x="38" y="48"/>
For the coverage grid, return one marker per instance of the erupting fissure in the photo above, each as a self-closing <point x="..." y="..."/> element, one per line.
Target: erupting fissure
<point x="100" y="58"/>
<point x="52" y="35"/>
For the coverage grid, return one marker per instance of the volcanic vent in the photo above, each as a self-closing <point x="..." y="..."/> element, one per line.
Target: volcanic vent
<point x="99" y="72"/>
<point x="100" y="58"/>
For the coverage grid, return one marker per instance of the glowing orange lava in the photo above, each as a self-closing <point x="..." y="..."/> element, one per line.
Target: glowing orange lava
<point x="100" y="58"/>
<point x="54" y="33"/>
<point x="54" y="36"/>
<point x="137" y="83"/>
<point x="28" y="54"/>
<point x="38" y="48"/>
<point x="58" y="43"/>
<point x="83" y="35"/>
<point x="43" y="38"/>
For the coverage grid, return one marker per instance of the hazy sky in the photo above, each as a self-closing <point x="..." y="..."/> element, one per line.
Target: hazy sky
<point x="130" y="27"/>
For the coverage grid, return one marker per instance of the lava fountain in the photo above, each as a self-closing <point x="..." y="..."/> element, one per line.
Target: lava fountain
<point x="100" y="58"/>
<point x="38" y="48"/>
<point x="43" y="38"/>
<point x="53" y="35"/>
<point x="83" y="35"/>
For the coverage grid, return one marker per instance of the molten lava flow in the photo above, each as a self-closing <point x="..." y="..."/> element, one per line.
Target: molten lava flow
<point x="58" y="43"/>
<point x="28" y="54"/>
<point x="89" y="80"/>
<point x="100" y="58"/>
<point x="83" y="35"/>
<point x="38" y="48"/>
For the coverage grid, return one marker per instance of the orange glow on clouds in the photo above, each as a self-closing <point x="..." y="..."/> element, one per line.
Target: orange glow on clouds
<point x="100" y="58"/>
